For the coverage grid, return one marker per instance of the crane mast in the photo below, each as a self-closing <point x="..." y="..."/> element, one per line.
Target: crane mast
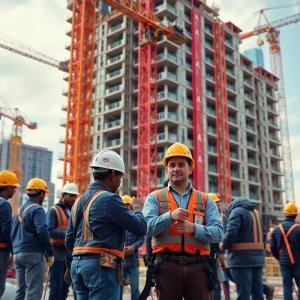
<point x="272" y="36"/>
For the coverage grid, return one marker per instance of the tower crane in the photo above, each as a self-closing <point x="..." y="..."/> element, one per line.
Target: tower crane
<point x="272" y="37"/>
<point x="79" y="111"/>
<point x="15" y="152"/>
<point x="24" y="50"/>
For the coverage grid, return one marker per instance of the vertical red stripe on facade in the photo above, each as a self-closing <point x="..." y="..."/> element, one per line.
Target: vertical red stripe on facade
<point x="199" y="172"/>
<point x="222" y="130"/>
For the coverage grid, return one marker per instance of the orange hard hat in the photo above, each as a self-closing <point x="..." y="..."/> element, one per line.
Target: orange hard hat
<point x="8" y="178"/>
<point x="35" y="185"/>
<point x="178" y="149"/>
<point x="126" y="199"/>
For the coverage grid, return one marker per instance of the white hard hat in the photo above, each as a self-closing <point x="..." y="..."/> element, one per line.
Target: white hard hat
<point x="70" y="188"/>
<point x="108" y="159"/>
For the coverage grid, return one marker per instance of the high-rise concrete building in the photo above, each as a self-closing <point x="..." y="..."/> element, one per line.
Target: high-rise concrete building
<point x="256" y="55"/>
<point x="36" y="162"/>
<point x="254" y="133"/>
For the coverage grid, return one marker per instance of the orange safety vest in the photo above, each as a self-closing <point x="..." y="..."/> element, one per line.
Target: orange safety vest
<point x="21" y="215"/>
<point x="62" y="224"/>
<point x="286" y="242"/>
<point x="258" y="243"/>
<point x="89" y="245"/>
<point x="170" y="239"/>
<point x="3" y="245"/>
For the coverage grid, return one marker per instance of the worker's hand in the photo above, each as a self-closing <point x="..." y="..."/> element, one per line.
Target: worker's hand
<point x="221" y="246"/>
<point x="137" y="203"/>
<point x="50" y="261"/>
<point x="221" y="259"/>
<point x="185" y="227"/>
<point x="129" y="250"/>
<point x="179" y="215"/>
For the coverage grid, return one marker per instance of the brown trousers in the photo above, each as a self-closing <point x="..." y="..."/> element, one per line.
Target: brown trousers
<point x="179" y="281"/>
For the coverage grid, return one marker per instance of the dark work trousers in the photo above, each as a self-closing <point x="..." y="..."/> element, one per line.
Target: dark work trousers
<point x="177" y="281"/>
<point x="58" y="287"/>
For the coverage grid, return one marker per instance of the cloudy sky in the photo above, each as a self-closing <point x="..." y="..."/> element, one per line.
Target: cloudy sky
<point x="36" y="89"/>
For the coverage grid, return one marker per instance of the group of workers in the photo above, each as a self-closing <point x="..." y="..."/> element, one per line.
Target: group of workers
<point x="93" y="242"/>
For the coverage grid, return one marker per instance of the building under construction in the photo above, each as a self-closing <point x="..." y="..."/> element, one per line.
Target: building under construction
<point x="250" y="133"/>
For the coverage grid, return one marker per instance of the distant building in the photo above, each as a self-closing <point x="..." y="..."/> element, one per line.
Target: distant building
<point x="256" y="55"/>
<point x="36" y="162"/>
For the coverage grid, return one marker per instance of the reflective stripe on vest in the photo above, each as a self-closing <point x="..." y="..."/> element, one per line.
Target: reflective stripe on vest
<point x="257" y="243"/>
<point x="21" y="215"/>
<point x="87" y="233"/>
<point x="170" y="239"/>
<point x="62" y="224"/>
<point x="286" y="241"/>
<point x="3" y="245"/>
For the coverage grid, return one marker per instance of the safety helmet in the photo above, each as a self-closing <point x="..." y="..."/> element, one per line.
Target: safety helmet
<point x="35" y="185"/>
<point x="290" y="209"/>
<point x="8" y="178"/>
<point x="271" y="229"/>
<point x="178" y="149"/>
<point x="108" y="159"/>
<point x="70" y="188"/>
<point x="126" y="199"/>
<point x="214" y="197"/>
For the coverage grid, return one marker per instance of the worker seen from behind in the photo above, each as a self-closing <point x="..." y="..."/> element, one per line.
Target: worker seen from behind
<point x="96" y="231"/>
<point x="245" y="249"/>
<point x="8" y="187"/>
<point x="183" y="223"/>
<point x="31" y="242"/>
<point x="58" y="220"/>
<point x="220" y="254"/>
<point x="285" y="247"/>
<point x="132" y="244"/>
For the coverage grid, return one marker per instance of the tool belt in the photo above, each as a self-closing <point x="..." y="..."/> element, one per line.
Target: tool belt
<point x="110" y="260"/>
<point x="185" y="260"/>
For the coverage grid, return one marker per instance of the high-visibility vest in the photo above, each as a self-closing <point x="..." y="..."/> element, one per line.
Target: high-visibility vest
<point x="87" y="244"/>
<point x="258" y="243"/>
<point x="3" y="245"/>
<point x="286" y="241"/>
<point x="20" y="215"/>
<point x="170" y="240"/>
<point x="62" y="224"/>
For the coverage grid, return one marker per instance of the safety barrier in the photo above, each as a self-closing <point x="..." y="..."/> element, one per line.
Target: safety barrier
<point x="272" y="272"/>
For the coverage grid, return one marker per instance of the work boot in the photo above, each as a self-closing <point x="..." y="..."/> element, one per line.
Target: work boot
<point x="270" y="293"/>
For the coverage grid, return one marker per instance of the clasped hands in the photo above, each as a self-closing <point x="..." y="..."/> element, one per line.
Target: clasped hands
<point x="180" y="218"/>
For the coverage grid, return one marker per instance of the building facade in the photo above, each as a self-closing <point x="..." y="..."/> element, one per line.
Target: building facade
<point x="254" y="133"/>
<point x="36" y="162"/>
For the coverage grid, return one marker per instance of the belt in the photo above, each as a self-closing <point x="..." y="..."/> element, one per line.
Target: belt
<point x="185" y="260"/>
<point x="79" y="257"/>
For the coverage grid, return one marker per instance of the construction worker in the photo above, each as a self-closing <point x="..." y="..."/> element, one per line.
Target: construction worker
<point x="285" y="247"/>
<point x="58" y="220"/>
<point x="8" y="187"/>
<point x="132" y="244"/>
<point x="183" y="223"/>
<point x="96" y="231"/>
<point x="32" y="248"/>
<point x="220" y="254"/>
<point x="268" y="241"/>
<point x="245" y="249"/>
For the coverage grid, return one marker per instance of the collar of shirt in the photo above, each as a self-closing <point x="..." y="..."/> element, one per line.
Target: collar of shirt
<point x="190" y="188"/>
<point x="4" y="197"/>
<point x="99" y="186"/>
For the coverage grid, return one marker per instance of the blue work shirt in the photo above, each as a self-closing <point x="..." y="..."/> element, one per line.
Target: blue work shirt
<point x="5" y="223"/>
<point x="210" y="233"/>
<point x="32" y="234"/>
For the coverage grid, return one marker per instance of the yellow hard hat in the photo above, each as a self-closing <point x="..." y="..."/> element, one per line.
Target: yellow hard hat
<point x="290" y="209"/>
<point x="8" y="178"/>
<point x="37" y="184"/>
<point x="126" y="199"/>
<point x="178" y="149"/>
<point x="271" y="229"/>
<point x="214" y="197"/>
